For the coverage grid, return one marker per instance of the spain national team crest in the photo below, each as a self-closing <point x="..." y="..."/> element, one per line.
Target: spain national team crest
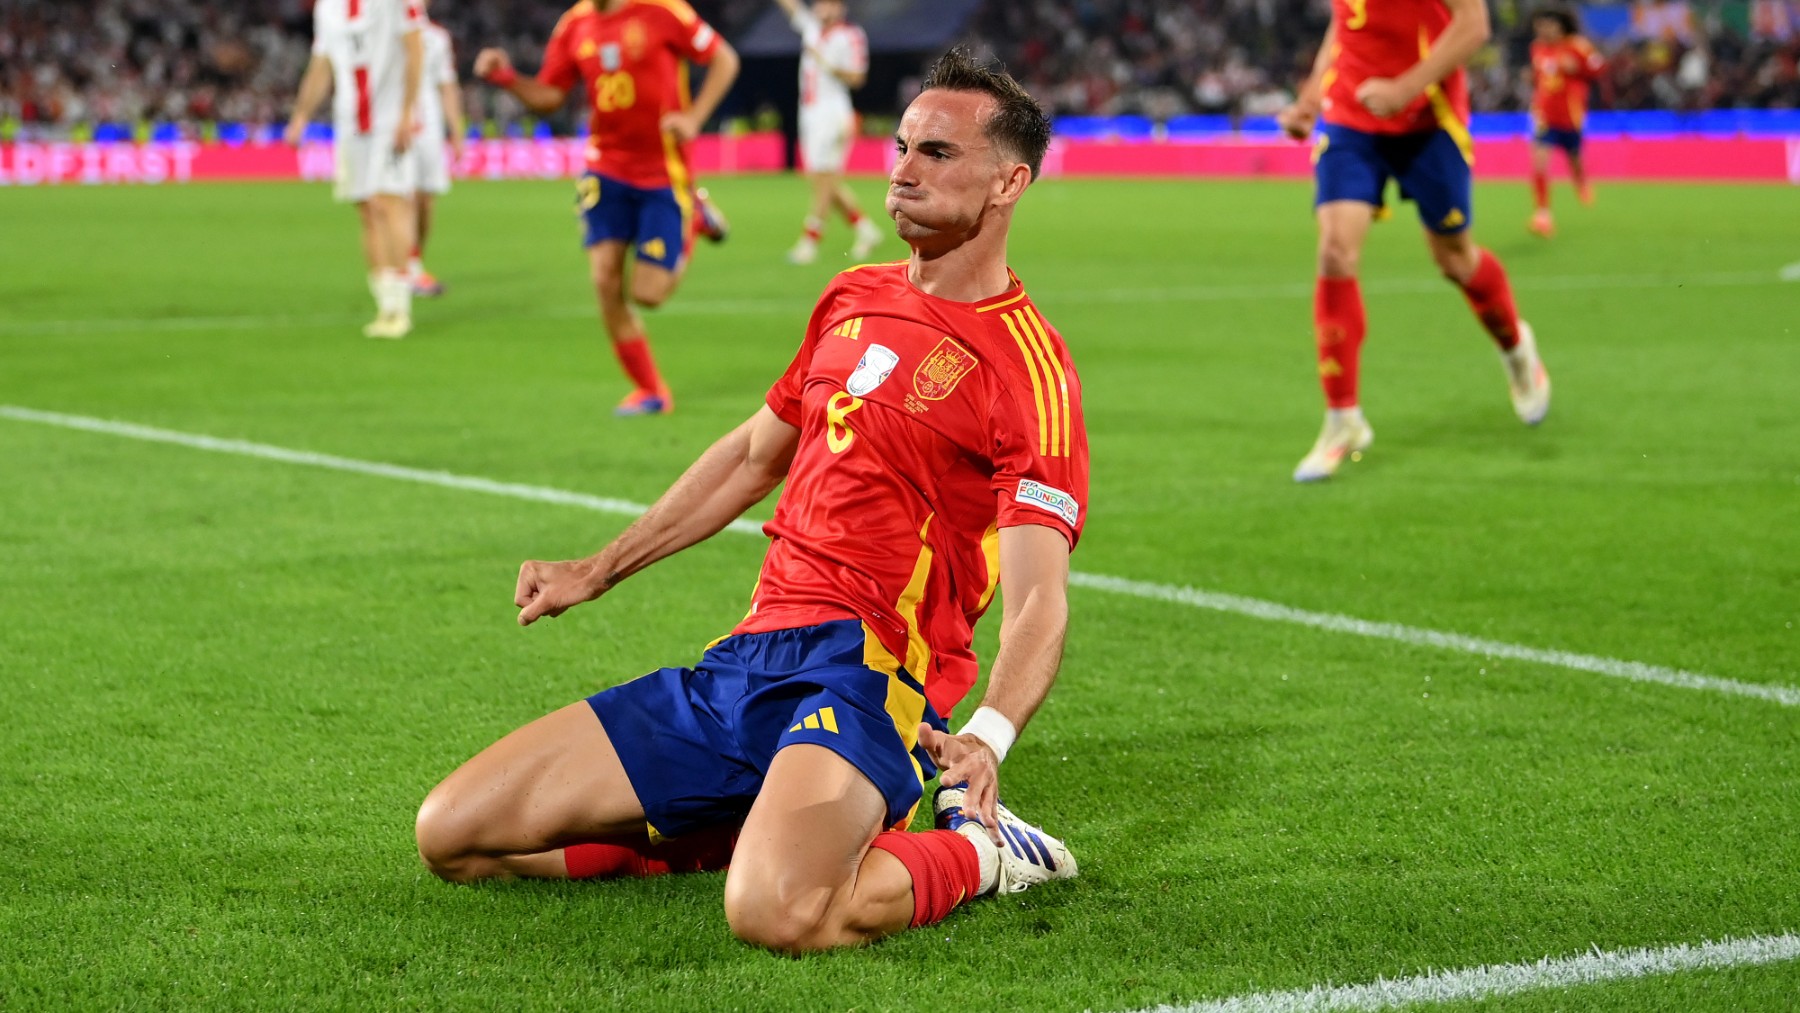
<point x="636" y="40"/>
<point x="942" y="370"/>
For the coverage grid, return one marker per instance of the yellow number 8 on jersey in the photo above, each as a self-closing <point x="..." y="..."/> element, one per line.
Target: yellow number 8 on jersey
<point x="1359" y="14"/>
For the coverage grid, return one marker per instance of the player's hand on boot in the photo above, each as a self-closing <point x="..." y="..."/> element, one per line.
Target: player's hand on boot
<point x="550" y="589"/>
<point x="967" y="759"/>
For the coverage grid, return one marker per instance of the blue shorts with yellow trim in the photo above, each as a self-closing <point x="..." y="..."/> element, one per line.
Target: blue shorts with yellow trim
<point x="696" y="742"/>
<point x="1351" y="164"/>
<point x="653" y="219"/>
<point x="1568" y="140"/>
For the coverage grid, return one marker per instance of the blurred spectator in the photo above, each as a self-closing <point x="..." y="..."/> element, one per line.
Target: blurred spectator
<point x="1161" y="58"/>
<point x="65" y="67"/>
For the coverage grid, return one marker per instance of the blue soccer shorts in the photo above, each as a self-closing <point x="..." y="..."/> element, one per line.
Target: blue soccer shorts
<point x="1434" y="174"/>
<point x="653" y="219"/>
<point x="1568" y="140"/>
<point x="696" y="742"/>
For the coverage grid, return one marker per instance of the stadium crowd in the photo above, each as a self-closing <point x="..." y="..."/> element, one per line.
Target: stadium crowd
<point x="66" y="67"/>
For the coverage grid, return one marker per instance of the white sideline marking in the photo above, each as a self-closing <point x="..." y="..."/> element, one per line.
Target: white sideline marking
<point x="1508" y="979"/>
<point x="1791" y="272"/>
<point x="736" y="307"/>
<point x="1254" y="608"/>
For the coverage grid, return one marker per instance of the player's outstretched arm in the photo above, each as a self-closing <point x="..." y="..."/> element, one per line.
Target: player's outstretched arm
<point x="1462" y="38"/>
<point x="495" y="67"/>
<point x="789" y="7"/>
<point x="1034" y="582"/>
<point x="314" y="85"/>
<point x="734" y="474"/>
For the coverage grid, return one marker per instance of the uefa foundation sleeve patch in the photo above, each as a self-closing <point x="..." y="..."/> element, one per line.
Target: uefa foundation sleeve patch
<point x="1048" y="498"/>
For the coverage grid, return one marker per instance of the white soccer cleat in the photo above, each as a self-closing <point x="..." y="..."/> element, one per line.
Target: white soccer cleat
<point x="391" y="326"/>
<point x="805" y="251"/>
<point x="1345" y="434"/>
<point x="1527" y="378"/>
<point x="1027" y="857"/>
<point x="868" y="236"/>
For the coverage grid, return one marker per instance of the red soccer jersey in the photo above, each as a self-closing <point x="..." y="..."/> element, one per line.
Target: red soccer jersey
<point x="633" y="61"/>
<point x="925" y="427"/>
<point x="1560" y="73"/>
<point x="1384" y="38"/>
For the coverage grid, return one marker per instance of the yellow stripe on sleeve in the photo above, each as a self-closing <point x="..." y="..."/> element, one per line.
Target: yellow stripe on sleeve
<point x="1037" y="385"/>
<point x="1062" y="378"/>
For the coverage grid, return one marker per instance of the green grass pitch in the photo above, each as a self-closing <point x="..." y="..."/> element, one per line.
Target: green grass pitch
<point x="229" y="682"/>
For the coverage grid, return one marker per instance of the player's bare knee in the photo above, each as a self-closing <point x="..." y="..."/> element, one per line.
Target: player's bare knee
<point x="759" y="915"/>
<point x="446" y="841"/>
<point x="1457" y="262"/>
<point x="650" y="296"/>
<point x="1338" y="260"/>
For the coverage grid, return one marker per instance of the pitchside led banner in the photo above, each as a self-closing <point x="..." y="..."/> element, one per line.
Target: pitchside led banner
<point x="1742" y="157"/>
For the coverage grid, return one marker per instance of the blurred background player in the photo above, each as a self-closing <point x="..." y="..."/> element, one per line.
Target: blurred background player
<point x="443" y="130"/>
<point x="370" y="55"/>
<point x="1562" y="66"/>
<point x="834" y="59"/>
<point x="1389" y="83"/>
<point x="637" y="195"/>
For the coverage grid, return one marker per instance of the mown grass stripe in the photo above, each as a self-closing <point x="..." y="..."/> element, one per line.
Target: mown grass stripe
<point x="1256" y="608"/>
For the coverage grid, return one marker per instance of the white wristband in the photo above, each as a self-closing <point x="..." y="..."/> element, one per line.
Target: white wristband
<point x="991" y="727"/>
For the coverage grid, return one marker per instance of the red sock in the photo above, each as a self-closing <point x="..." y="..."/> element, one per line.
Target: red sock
<point x="855" y="218"/>
<point x="703" y="851"/>
<point x="1540" y="190"/>
<point x="635" y="359"/>
<point x="814" y="232"/>
<point x="416" y="251"/>
<point x="945" y="869"/>
<point x="1339" y="325"/>
<point x="1490" y="296"/>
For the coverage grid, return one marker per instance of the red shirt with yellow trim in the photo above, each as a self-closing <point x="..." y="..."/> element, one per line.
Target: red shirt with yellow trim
<point x="925" y="426"/>
<point x="633" y="60"/>
<point x="1560" y="72"/>
<point x="1385" y="38"/>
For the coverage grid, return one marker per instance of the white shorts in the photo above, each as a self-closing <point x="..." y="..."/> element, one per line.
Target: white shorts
<point x="433" y="158"/>
<point x="825" y="142"/>
<point x="367" y="165"/>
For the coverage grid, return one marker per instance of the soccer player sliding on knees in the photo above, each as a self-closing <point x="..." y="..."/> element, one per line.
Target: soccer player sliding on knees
<point x="1389" y="84"/>
<point x="929" y="433"/>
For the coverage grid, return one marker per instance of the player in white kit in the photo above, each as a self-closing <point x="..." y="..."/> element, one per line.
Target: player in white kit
<point x="439" y="146"/>
<point x="370" y="55"/>
<point x="834" y="59"/>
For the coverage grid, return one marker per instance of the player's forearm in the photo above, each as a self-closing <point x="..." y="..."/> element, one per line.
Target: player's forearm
<point x="313" y="86"/>
<point x="720" y="73"/>
<point x="1309" y="95"/>
<point x="536" y="95"/>
<point x="414" y="44"/>
<point x="1031" y="646"/>
<point x="729" y="478"/>
<point x="454" y="118"/>
<point x="1461" y="39"/>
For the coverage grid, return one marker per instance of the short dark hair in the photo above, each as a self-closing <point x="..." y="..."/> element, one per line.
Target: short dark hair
<point x="1018" y="127"/>
<point x="1559" y="14"/>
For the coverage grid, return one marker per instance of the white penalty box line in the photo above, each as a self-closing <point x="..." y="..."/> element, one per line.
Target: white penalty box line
<point x="1255" y="608"/>
<point x="1490" y="981"/>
